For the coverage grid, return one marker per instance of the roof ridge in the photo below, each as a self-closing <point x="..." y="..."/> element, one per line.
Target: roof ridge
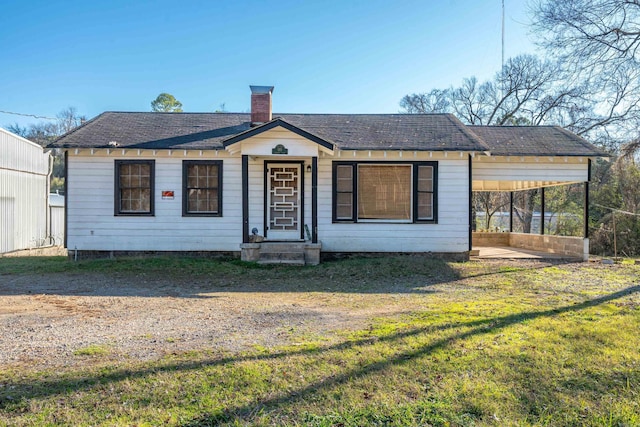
<point x="465" y="129"/>
<point x="274" y="113"/>
<point x="169" y="112"/>
<point x="515" y="126"/>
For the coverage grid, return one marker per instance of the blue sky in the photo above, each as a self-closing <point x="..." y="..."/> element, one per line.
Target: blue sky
<point x="321" y="56"/>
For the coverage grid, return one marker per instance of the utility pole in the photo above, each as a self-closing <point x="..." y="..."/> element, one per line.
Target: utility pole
<point x="502" y="34"/>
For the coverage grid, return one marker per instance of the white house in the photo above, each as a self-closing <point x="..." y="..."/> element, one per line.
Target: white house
<point x="288" y="187"/>
<point x="24" y="192"/>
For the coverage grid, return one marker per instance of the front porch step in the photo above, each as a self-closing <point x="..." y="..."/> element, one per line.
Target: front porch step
<point x="282" y="246"/>
<point x="291" y="253"/>
<point x="282" y="257"/>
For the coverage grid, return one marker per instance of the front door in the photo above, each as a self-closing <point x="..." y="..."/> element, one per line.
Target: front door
<point x="283" y="201"/>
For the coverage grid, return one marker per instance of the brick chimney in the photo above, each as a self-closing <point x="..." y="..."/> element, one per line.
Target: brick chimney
<point x="260" y="104"/>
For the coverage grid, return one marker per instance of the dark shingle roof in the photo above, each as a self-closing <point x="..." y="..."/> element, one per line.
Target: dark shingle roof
<point x="420" y="132"/>
<point x="435" y="132"/>
<point x="426" y="132"/>
<point x="156" y="130"/>
<point x="534" y="141"/>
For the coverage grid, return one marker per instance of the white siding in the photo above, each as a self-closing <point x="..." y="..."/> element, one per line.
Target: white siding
<point x="93" y="226"/>
<point x="24" y="192"/>
<point x="450" y="234"/>
<point x="57" y="225"/>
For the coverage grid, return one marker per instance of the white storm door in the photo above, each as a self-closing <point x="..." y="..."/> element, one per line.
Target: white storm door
<point x="283" y="201"/>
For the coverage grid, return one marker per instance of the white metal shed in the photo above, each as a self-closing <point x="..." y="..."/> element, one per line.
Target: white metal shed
<point x="24" y="193"/>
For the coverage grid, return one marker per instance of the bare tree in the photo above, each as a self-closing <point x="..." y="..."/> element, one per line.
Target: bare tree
<point x="490" y="202"/>
<point x="590" y="34"/>
<point x="598" y="43"/>
<point x="436" y="101"/>
<point x="44" y="133"/>
<point x="69" y="119"/>
<point x="523" y="207"/>
<point x="526" y="91"/>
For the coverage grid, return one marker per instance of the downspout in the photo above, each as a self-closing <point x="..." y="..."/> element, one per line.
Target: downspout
<point x="66" y="199"/>
<point x="470" y="237"/>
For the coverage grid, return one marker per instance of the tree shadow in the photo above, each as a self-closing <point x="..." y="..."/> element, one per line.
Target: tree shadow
<point x="478" y="327"/>
<point x="203" y="278"/>
<point x="28" y="389"/>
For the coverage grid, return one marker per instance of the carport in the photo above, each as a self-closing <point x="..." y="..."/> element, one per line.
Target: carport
<point x="525" y="158"/>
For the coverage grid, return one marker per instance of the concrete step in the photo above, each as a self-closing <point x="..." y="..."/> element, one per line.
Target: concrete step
<point x="290" y="258"/>
<point x="273" y="247"/>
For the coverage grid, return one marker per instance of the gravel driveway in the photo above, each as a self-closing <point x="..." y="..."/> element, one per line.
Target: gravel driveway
<point x="45" y="320"/>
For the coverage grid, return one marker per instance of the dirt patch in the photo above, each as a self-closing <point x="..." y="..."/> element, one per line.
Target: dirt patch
<point x="45" y="320"/>
<point x="44" y="251"/>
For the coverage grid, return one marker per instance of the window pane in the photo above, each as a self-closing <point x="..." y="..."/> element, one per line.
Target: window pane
<point x="145" y="200"/>
<point x="425" y="178"/>
<point x="344" y="206"/>
<point x="384" y="192"/>
<point x="211" y="180"/>
<point x="344" y="178"/>
<point x="203" y="201"/>
<point x="425" y="205"/>
<point x="125" y="200"/>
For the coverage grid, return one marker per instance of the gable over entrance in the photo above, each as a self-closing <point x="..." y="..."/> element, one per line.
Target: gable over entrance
<point x="278" y="138"/>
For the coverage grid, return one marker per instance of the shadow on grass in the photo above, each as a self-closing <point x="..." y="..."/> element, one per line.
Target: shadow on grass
<point x="478" y="327"/>
<point x="13" y="392"/>
<point x="196" y="277"/>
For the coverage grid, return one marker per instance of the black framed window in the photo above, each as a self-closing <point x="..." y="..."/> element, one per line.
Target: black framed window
<point x="385" y="192"/>
<point x="202" y="188"/>
<point x="425" y="191"/>
<point x="344" y="191"/>
<point x="134" y="187"/>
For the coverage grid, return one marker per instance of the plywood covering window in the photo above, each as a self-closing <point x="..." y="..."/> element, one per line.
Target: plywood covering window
<point x="384" y="192"/>
<point x="202" y="188"/>
<point x="134" y="187"/>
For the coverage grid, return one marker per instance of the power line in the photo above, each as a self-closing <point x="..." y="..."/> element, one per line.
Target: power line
<point x="617" y="210"/>
<point x="28" y="115"/>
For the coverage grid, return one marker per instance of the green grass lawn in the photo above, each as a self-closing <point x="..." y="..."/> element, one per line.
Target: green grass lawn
<point x="482" y="344"/>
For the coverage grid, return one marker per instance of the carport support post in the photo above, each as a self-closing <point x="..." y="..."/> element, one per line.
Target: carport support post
<point x="542" y="211"/>
<point x="471" y="216"/>
<point x="586" y="201"/>
<point x="511" y="212"/>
